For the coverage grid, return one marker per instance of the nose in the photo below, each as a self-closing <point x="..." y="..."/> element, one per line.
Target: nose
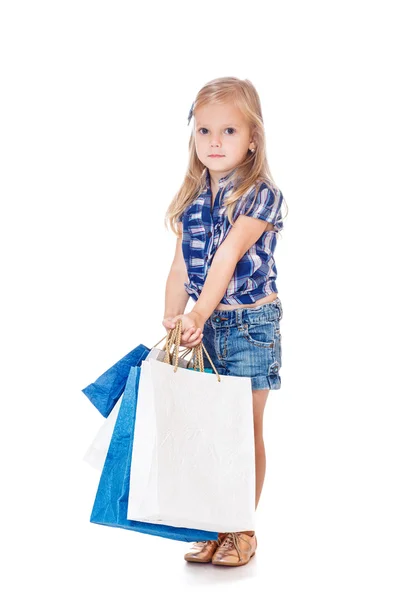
<point x="216" y="142"/>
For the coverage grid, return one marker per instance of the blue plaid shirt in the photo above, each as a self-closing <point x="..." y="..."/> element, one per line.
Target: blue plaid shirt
<point x="203" y="231"/>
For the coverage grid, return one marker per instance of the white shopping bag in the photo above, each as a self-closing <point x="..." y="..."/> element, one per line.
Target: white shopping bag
<point x="96" y="453"/>
<point x="193" y="455"/>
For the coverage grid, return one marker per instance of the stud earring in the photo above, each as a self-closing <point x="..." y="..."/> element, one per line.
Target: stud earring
<point x="252" y="150"/>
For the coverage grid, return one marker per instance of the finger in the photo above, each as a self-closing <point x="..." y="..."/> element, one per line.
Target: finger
<point x="187" y="334"/>
<point x="186" y="341"/>
<point x="196" y="341"/>
<point x="197" y="333"/>
<point x="194" y="336"/>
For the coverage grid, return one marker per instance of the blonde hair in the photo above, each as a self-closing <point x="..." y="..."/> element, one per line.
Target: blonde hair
<point x="253" y="170"/>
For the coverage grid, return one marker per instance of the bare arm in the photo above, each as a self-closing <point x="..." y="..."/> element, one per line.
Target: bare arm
<point x="176" y="297"/>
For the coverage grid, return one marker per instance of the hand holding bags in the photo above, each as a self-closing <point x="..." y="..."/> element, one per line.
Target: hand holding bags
<point x="193" y="456"/>
<point x="227" y="489"/>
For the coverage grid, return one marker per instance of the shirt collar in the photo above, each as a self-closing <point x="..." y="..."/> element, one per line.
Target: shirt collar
<point x="221" y="180"/>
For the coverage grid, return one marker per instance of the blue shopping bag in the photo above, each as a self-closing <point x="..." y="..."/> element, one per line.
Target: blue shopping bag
<point x="111" y="503"/>
<point x="107" y="389"/>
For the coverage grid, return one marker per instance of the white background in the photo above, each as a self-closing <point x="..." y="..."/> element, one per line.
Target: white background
<point x="94" y="104"/>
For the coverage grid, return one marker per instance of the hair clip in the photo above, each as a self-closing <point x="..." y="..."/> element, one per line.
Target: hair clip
<point x="190" y="113"/>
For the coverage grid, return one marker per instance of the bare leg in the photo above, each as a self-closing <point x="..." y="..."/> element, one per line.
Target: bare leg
<point x="259" y="401"/>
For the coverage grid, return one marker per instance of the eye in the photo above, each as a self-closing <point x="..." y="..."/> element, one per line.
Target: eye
<point x="231" y="129"/>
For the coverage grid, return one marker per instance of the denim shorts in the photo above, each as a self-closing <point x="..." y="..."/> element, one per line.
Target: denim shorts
<point x="246" y="342"/>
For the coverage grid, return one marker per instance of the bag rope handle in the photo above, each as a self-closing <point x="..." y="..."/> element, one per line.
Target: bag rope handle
<point x="173" y="337"/>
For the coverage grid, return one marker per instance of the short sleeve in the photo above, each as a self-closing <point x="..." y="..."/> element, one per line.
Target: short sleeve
<point x="266" y="206"/>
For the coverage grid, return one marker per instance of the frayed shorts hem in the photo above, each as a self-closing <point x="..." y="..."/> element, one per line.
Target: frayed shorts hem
<point x="266" y="382"/>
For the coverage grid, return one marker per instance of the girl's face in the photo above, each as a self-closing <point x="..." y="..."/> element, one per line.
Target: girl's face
<point x="220" y="129"/>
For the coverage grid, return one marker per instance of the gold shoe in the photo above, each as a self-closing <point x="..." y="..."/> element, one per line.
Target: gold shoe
<point x="236" y="550"/>
<point x="204" y="550"/>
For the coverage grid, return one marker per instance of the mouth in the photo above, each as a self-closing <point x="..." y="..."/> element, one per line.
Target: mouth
<point x="216" y="155"/>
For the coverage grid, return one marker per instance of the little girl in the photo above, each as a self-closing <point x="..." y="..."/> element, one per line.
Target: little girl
<point x="227" y="215"/>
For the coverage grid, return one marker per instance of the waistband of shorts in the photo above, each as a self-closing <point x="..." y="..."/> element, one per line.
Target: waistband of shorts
<point x="237" y="315"/>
